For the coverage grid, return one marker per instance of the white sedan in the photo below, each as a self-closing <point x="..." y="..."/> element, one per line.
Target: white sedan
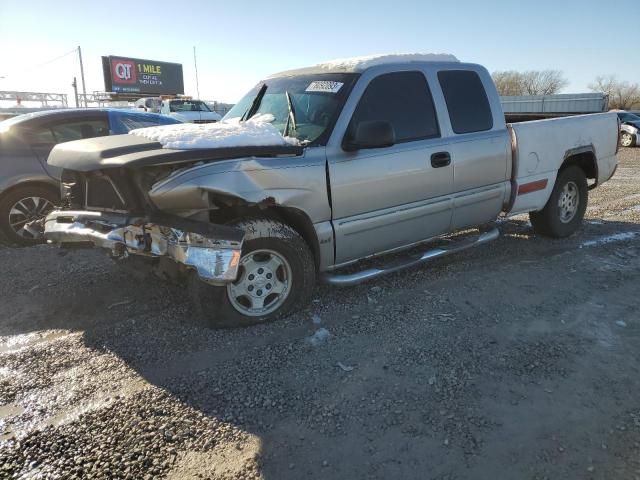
<point x="189" y="111"/>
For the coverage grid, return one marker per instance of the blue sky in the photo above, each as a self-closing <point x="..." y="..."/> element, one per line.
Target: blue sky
<point x="239" y="42"/>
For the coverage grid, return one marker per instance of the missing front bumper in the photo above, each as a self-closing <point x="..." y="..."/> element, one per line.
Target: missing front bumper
<point x="212" y="251"/>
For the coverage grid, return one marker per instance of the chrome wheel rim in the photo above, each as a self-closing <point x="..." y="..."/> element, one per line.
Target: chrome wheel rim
<point x="568" y="202"/>
<point x="625" y="141"/>
<point x="27" y="210"/>
<point x="263" y="283"/>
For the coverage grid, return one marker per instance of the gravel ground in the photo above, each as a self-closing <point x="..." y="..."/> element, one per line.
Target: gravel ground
<point x="519" y="359"/>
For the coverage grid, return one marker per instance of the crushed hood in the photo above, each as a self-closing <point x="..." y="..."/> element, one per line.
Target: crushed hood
<point x="132" y="151"/>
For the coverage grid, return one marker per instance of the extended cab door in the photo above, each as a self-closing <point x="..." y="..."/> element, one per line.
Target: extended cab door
<point x="479" y="145"/>
<point x="385" y="198"/>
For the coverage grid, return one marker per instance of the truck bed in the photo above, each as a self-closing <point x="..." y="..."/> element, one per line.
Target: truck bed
<point x="540" y="147"/>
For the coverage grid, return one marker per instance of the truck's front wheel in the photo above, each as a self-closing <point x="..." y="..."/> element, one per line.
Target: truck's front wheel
<point x="276" y="275"/>
<point x="564" y="211"/>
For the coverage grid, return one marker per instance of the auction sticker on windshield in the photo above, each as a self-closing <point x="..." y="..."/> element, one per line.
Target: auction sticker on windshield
<point x="326" y="86"/>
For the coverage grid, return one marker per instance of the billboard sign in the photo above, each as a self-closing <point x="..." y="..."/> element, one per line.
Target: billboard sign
<point x="125" y="75"/>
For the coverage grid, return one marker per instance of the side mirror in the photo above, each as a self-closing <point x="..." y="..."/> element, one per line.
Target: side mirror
<point x="369" y="134"/>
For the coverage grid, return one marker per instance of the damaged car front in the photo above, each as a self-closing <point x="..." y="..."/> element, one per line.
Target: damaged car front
<point x="241" y="203"/>
<point x="109" y="208"/>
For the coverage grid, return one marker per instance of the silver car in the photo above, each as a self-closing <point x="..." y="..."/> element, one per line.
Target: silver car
<point x="29" y="186"/>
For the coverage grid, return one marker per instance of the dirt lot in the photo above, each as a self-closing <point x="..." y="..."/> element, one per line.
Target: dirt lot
<point x="519" y="359"/>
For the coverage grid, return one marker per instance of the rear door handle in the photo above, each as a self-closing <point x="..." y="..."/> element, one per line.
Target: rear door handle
<point x="440" y="159"/>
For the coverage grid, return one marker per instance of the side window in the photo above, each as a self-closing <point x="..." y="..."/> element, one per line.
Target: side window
<point x="402" y="99"/>
<point x="40" y="136"/>
<point x="79" y="129"/>
<point x="466" y="100"/>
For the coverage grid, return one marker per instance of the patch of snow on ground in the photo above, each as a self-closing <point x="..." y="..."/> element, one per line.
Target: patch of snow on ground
<point x="616" y="237"/>
<point x="360" y="63"/>
<point x="319" y="337"/>
<point x="256" y="132"/>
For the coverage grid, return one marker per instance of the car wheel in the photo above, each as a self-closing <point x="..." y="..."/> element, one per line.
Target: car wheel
<point x="626" y="139"/>
<point x="564" y="211"/>
<point x="21" y="206"/>
<point x="276" y="276"/>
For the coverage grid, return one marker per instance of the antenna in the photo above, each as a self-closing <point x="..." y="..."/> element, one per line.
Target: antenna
<point x="195" y="63"/>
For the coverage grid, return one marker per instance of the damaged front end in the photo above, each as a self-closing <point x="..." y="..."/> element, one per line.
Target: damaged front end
<point x="213" y="251"/>
<point x="105" y="204"/>
<point x="105" y="190"/>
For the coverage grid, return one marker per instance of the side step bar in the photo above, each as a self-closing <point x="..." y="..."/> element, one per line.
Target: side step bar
<point x="348" y="280"/>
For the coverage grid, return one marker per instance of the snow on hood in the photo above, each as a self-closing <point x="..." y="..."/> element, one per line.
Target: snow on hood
<point x="361" y="63"/>
<point x="256" y="132"/>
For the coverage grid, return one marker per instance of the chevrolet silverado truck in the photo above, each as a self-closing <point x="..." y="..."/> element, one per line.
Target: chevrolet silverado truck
<point x="373" y="155"/>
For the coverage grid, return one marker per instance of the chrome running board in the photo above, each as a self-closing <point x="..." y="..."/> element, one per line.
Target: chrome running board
<point x="346" y="280"/>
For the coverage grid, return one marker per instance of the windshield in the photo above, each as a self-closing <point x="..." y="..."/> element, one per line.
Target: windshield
<point x="152" y="102"/>
<point x="188" y="106"/>
<point x="316" y="100"/>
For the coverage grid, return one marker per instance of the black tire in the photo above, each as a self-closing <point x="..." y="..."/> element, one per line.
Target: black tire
<point x="548" y="221"/>
<point x="212" y="303"/>
<point x="8" y="234"/>
<point x="627" y="140"/>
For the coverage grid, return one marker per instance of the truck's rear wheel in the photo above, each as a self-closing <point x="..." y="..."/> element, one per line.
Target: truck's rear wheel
<point x="276" y="276"/>
<point x="564" y="211"/>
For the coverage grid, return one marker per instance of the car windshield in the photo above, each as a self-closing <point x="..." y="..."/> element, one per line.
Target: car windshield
<point x="316" y="101"/>
<point x="152" y="102"/>
<point x="188" y="106"/>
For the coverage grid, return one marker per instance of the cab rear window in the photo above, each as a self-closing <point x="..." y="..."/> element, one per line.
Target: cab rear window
<point x="467" y="102"/>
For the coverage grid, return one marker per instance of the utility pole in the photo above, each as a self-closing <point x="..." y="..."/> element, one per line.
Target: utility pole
<point x="75" y="90"/>
<point x="195" y="63"/>
<point x="84" y="88"/>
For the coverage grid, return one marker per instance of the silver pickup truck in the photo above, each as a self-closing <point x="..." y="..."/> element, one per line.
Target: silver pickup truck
<point x="375" y="155"/>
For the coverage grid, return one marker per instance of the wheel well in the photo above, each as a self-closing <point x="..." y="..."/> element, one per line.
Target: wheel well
<point x="296" y="219"/>
<point x="36" y="183"/>
<point x="586" y="160"/>
<point x="303" y="225"/>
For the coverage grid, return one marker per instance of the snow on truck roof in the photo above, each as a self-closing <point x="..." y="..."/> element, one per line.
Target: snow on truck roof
<point x="362" y="63"/>
<point x="359" y="64"/>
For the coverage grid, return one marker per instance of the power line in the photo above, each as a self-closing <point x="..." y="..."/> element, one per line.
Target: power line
<point x="35" y="67"/>
<point x="57" y="58"/>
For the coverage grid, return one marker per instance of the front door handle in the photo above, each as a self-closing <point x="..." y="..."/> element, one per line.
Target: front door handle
<point x="440" y="159"/>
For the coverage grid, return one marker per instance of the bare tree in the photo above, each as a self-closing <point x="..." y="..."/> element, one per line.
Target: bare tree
<point x="533" y="82"/>
<point x="544" y="82"/>
<point x="622" y="95"/>
<point x="509" y="82"/>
